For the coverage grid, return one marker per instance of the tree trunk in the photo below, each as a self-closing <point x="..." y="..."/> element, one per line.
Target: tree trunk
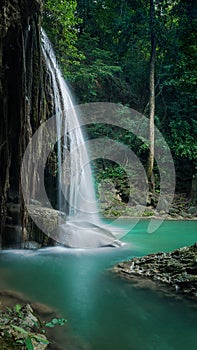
<point x="150" y="164"/>
<point x="193" y="195"/>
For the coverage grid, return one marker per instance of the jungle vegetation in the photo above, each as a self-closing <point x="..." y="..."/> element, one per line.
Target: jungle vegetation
<point x="140" y="54"/>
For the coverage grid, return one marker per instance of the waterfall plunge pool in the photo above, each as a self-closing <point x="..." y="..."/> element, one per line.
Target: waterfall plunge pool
<point x="102" y="310"/>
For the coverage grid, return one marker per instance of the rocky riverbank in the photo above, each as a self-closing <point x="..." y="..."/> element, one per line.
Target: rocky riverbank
<point x="20" y="328"/>
<point x="22" y="318"/>
<point x="22" y="324"/>
<point x="176" y="270"/>
<point x="181" y="207"/>
<point x="111" y="207"/>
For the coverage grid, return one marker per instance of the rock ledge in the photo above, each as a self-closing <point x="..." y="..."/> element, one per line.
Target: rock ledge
<point x="176" y="270"/>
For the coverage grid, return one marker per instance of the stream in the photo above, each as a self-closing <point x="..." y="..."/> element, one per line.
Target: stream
<point x="103" y="311"/>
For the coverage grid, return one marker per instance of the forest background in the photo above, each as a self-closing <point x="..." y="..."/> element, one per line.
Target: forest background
<point x="105" y="49"/>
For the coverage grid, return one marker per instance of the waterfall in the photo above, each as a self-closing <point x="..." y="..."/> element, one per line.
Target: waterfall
<point x="76" y="180"/>
<point x="83" y="228"/>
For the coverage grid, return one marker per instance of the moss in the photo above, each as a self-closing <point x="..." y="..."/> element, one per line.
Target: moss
<point x="147" y="214"/>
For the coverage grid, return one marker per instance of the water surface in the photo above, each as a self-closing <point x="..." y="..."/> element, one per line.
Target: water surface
<point x="104" y="311"/>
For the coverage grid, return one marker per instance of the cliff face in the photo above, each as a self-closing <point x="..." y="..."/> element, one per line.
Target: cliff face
<point x="22" y="100"/>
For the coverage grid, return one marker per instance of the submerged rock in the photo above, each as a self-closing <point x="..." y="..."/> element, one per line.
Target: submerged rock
<point x="176" y="269"/>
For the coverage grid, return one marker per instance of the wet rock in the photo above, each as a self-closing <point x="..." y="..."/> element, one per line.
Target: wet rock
<point x="9" y="220"/>
<point x="13" y="197"/>
<point x="12" y="236"/>
<point x="42" y="223"/>
<point x="192" y="210"/>
<point x="47" y="218"/>
<point x="184" y="214"/>
<point x="173" y="210"/>
<point x="13" y="210"/>
<point x="162" y="205"/>
<point x="35" y="202"/>
<point x="30" y="245"/>
<point x="177" y="269"/>
<point x="162" y="212"/>
<point x="85" y="234"/>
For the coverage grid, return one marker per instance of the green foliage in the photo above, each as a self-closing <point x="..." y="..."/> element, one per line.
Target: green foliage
<point x="178" y="80"/>
<point x="104" y="49"/>
<point x="107" y="37"/>
<point x="28" y="343"/>
<point x="55" y="321"/>
<point x="61" y="25"/>
<point x="16" y="330"/>
<point x="147" y="214"/>
<point x="27" y="338"/>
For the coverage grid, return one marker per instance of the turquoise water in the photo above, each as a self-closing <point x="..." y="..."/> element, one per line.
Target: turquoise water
<point x="105" y="312"/>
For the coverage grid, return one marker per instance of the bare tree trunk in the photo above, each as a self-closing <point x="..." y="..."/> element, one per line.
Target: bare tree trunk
<point x="193" y="194"/>
<point x="150" y="164"/>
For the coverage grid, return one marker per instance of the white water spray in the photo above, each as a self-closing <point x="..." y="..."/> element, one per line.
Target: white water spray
<point x="84" y="228"/>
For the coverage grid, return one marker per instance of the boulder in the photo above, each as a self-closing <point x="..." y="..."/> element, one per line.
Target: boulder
<point x="192" y="210"/>
<point x="173" y="211"/>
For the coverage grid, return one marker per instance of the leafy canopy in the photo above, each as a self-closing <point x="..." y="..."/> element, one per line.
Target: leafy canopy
<point x="61" y="25"/>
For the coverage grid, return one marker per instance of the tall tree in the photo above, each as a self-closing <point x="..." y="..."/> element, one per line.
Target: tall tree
<point x="150" y="165"/>
<point x="119" y="64"/>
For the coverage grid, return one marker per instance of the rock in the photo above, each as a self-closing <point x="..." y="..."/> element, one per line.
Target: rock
<point x="192" y="210"/>
<point x="9" y="220"/>
<point x="14" y="212"/>
<point x="177" y="269"/>
<point x="175" y="216"/>
<point x="73" y="234"/>
<point x="42" y="222"/>
<point x="30" y="245"/>
<point x="46" y="218"/>
<point x="162" y="205"/>
<point x="84" y="234"/>
<point x="60" y="338"/>
<point x="162" y="212"/>
<point x="20" y="325"/>
<point x="20" y="22"/>
<point x="173" y="211"/>
<point x="184" y="214"/>
<point x="12" y="236"/>
<point x="35" y="202"/>
<point x="13" y="197"/>
<point x="148" y="212"/>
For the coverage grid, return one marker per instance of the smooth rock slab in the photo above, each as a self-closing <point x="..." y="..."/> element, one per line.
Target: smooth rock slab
<point x="84" y="234"/>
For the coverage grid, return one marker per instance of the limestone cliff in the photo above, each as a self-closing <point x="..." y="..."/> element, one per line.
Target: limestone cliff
<point x="22" y="93"/>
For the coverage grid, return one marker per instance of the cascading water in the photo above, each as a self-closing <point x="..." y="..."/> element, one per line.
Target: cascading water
<point x="83" y="228"/>
<point x="75" y="181"/>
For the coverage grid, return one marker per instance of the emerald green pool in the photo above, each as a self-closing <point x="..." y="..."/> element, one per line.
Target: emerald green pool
<point x="105" y="312"/>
